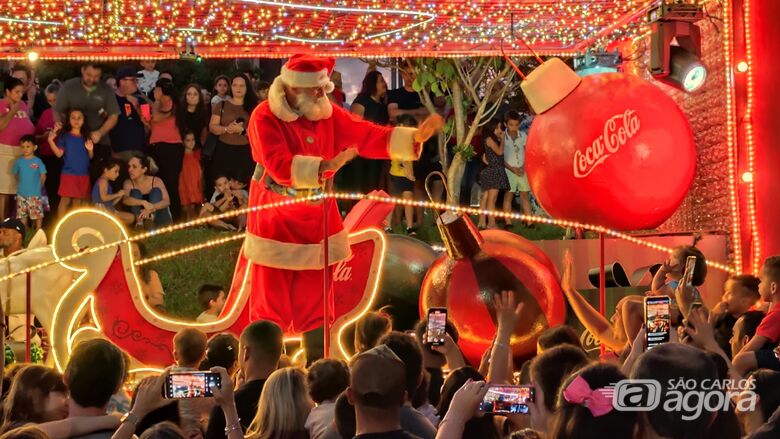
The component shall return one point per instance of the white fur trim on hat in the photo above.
(294, 78)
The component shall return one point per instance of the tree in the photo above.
(474, 88)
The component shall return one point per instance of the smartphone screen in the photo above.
(146, 112)
(507, 399)
(191, 384)
(690, 265)
(658, 320)
(437, 324)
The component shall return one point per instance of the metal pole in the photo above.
(28, 341)
(326, 278)
(602, 283)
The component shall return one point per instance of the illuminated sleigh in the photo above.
(106, 288)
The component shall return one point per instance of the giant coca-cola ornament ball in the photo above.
(610, 149)
(475, 268)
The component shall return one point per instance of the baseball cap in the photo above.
(127, 72)
(13, 223)
(378, 378)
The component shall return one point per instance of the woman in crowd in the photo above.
(221, 89)
(165, 143)
(194, 113)
(146, 195)
(53, 163)
(282, 418)
(493, 177)
(371, 103)
(14, 124)
(37, 395)
(233, 155)
(361, 174)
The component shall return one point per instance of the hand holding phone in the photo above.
(437, 325)
(146, 112)
(507, 399)
(658, 320)
(198, 384)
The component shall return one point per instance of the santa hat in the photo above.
(308, 71)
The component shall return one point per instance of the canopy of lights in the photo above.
(114, 29)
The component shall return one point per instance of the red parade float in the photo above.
(608, 151)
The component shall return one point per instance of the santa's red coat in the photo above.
(283, 249)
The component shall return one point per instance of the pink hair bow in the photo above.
(598, 401)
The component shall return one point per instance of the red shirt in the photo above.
(770, 325)
(45, 123)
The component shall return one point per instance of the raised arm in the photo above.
(598, 325)
(507, 313)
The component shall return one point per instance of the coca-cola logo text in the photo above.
(343, 271)
(617, 131)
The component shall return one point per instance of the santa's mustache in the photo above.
(312, 108)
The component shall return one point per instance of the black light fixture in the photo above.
(678, 65)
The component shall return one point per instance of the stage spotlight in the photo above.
(32, 56)
(747, 177)
(675, 40)
(742, 67)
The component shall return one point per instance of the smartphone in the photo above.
(437, 324)
(690, 265)
(146, 112)
(191, 384)
(507, 399)
(658, 320)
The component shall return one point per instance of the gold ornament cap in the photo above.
(549, 84)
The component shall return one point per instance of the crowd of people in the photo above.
(398, 385)
(132, 143)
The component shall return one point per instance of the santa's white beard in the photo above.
(313, 108)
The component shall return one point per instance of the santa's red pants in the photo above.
(290, 298)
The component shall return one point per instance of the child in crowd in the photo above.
(493, 178)
(212, 300)
(402, 183)
(753, 355)
(70, 141)
(30, 175)
(228, 195)
(103, 195)
(327, 379)
(149, 77)
(514, 162)
(190, 179)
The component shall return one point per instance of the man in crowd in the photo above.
(259, 350)
(377, 389)
(11, 236)
(404, 100)
(98, 102)
(744, 330)
(405, 347)
(95, 371)
(129, 135)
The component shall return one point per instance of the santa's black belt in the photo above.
(287, 191)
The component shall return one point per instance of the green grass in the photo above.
(181, 276)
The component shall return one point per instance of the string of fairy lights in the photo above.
(356, 27)
(337, 196)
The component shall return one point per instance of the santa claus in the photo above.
(299, 140)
